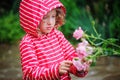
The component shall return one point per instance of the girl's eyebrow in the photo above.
(54, 14)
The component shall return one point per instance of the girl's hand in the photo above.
(64, 67)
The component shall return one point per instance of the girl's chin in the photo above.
(47, 32)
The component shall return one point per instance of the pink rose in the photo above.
(89, 50)
(84, 49)
(78, 33)
(81, 50)
(85, 66)
(85, 42)
(77, 63)
(80, 65)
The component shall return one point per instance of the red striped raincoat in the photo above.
(41, 55)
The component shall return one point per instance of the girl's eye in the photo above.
(53, 16)
(45, 17)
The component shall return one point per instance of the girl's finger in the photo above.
(68, 62)
(65, 68)
(63, 71)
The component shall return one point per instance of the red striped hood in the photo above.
(32, 12)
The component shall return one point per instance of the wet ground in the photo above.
(9, 62)
(107, 68)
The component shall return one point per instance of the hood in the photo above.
(32, 11)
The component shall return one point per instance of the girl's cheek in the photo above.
(43, 21)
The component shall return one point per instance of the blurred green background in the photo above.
(105, 13)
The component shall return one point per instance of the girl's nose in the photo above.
(49, 22)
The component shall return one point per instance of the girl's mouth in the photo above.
(49, 28)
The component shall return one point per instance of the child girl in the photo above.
(45, 52)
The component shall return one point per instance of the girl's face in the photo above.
(48, 22)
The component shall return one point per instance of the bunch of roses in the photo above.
(84, 49)
(90, 50)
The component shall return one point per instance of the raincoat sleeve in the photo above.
(74, 71)
(69, 54)
(30, 65)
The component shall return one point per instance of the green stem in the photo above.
(102, 41)
(93, 26)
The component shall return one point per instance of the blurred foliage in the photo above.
(7, 5)
(75, 17)
(107, 16)
(115, 29)
(9, 22)
(10, 28)
(105, 13)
